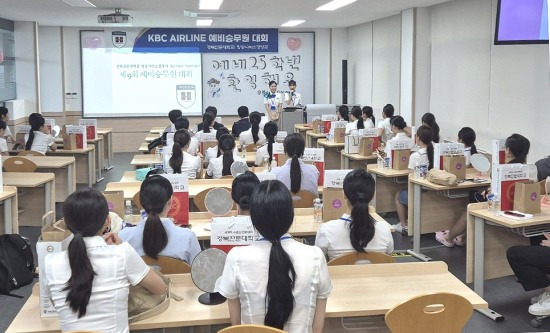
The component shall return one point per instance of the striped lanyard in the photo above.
(347, 220)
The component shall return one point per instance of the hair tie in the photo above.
(275, 242)
(361, 197)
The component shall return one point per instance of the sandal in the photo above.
(439, 236)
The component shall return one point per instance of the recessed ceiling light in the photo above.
(292, 23)
(210, 4)
(204, 23)
(79, 3)
(335, 4)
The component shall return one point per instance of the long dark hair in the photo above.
(519, 146)
(255, 120)
(270, 130)
(272, 215)
(207, 119)
(36, 122)
(84, 212)
(294, 147)
(398, 122)
(221, 131)
(242, 188)
(154, 193)
(369, 112)
(344, 112)
(468, 137)
(359, 189)
(227, 145)
(429, 119)
(425, 134)
(181, 139)
(357, 113)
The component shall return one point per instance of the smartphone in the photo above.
(508, 212)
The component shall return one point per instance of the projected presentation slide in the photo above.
(120, 83)
(522, 21)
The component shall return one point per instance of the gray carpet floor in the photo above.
(504, 295)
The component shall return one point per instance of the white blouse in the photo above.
(116, 267)
(215, 167)
(387, 134)
(41, 142)
(245, 138)
(262, 153)
(334, 240)
(245, 277)
(190, 166)
(419, 158)
(310, 176)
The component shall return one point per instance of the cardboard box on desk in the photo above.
(334, 202)
(318, 126)
(327, 120)
(316, 156)
(366, 146)
(504, 179)
(20, 132)
(337, 132)
(207, 140)
(527, 197)
(91, 128)
(351, 144)
(371, 133)
(400, 159)
(115, 201)
(455, 165)
(75, 137)
(179, 211)
(446, 149)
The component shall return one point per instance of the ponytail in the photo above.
(242, 188)
(80, 283)
(227, 144)
(181, 140)
(359, 188)
(207, 119)
(280, 300)
(430, 150)
(155, 237)
(425, 134)
(294, 146)
(270, 131)
(429, 119)
(357, 114)
(36, 122)
(30, 140)
(255, 120)
(295, 175)
(227, 161)
(468, 136)
(473, 149)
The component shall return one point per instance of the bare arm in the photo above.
(235, 311)
(379, 132)
(153, 283)
(408, 131)
(319, 317)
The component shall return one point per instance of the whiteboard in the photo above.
(232, 80)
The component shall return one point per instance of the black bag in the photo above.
(16, 263)
(157, 142)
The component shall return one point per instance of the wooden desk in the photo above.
(302, 129)
(151, 137)
(63, 167)
(443, 206)
(84, 163)
(9, 221)
(388, 183)
(143, 160)
(332, 153)
(99, 154)
(488, 238)
(107, 134)
(354, 161)
(38, 195)
(144, 148)
(384, 283)
(157, 130)
(311, 138)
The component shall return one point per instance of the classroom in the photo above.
(422, 119)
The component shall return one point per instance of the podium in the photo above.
(291, 116)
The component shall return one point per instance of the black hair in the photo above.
(519, 146)
(2, 124)
(398, 122)
(425, 134)
(242, 111)
(291, 83)
(85, 212)
(357, 113)
(3, 111)
(388, 110)
(207, 119)
(174, 115)
(242, 188)
(227, 144)
(221, 131)
(154, 193)
(369, 112)
(272, 82)
(255, 120)
(359, 189)
(429, 119)
(294, 147)
(344, 112)
(468, 137)
(272, 214)
(36, 122)
(182, 123)
(212, 109)
(181, 139)
(270, 130)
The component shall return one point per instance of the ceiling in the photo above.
(169, 13)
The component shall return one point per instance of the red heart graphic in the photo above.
(294, 43)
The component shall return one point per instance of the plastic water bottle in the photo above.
(318, 210)
(157, 155)
(128, 212)
(380, 163)
(267, 166)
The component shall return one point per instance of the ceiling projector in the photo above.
(115, 18)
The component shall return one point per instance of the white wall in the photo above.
(360, 64)
(51, 71)
(26, 68)
(339, 52)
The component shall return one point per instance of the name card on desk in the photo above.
(446, 149)
(279, 154)
(316, 156)
(335, 178)
(49, 123)
(179, 211)
(498, 150)
(399, 152)
(75, 137)
(504, 178)
(232, 231)
(327, 120)
(281, 135)
(20, 131)
(91, 128)
(265, 176)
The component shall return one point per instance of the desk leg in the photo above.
(416, 224)
(49, 197)
(99, 161)
(71, 182)
(90, 168)
(10, 226)
(373, 201)
(109, 147)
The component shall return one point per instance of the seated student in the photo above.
(90, 281)
(221, 166)
(213, 152)
(182, 123)
(467, 136)
(428, 119)
(207, 118)
(543, 168)
(242, 124)
(517, 148)
(398, 129)
(384, 127)
(3, 142)
(357, 122)
(181, 161)
(368, 117)
(359, 232)
(343, 113)
(157, 235)
(270, 130)
(253, 136)
(173, 115)
(295, 174)
(424, 155)
(241, 191)
(215, 124)
(39, 138)
(276, 281)
(5, 117)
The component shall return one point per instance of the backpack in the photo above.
(16, 263)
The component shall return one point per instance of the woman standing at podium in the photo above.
(292, 98)
(273, 102)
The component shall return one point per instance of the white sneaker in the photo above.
(542, 307)
(399, 227)
(537, 298)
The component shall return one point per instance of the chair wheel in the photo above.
(536, 322)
